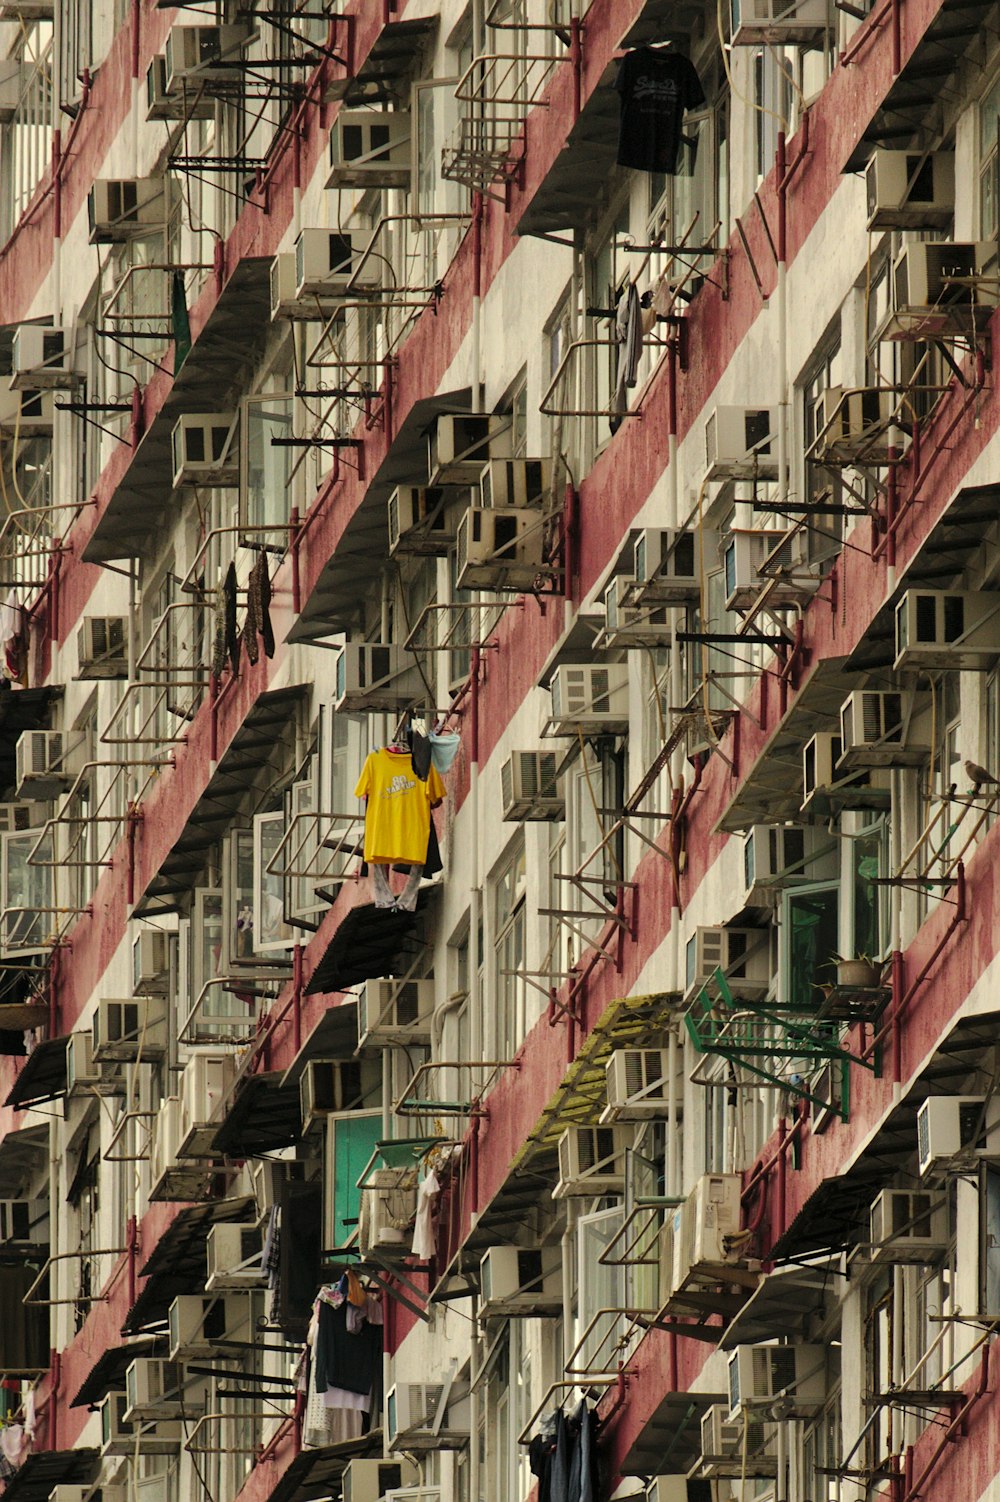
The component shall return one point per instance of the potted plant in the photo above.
(859, 973)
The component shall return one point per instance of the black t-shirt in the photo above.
(656, 87)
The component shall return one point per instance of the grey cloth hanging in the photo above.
(628, 332)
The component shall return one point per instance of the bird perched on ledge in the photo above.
(979, 777)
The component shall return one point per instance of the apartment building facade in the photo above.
(393, 398)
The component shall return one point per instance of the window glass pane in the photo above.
(812, 920)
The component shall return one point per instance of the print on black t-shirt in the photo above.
(656, 87)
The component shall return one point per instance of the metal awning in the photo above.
(178, 1261)
(317, 1474)
(264, 1116)
(243, 773)
(359, 557)
(772, 790)
(394, 57)
(781, 1304)
(108, 1372)
(369, 943)
(225, 351)
(915, 112)
(335, 1036)
(49, 1468)
(43, 1076)
(20, 1151)
(569, 194)
(670, 1439)
(836, 1215)
(18, 1016)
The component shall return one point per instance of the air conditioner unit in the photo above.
(910, 189)
(326, 262)
(206, 1080)
(375, 676)
(40, 359)
(164, 1141)
(197, 55)
(387, 1207)
(177, 103)
(769, 851)
(743, 553)
(589, 699)
(825, 786)
(627, 625)
(83, 1074)
(13, 79)
(155, 1488)
(233, 1253)
(64, 1492)
(758, 23)
(948, 1125)
(285, 302)
(28, 413)
(153, 1390)
(668, 563)
(875, 731)
(698, 1237)
(411, 1414)
(935, 283)
(122, 207)
(461, 444)
(530, 790)
(857, 423)
(592, 1161)
(741, 443)
(908, 1226)
(102, 647)
(940, 628)
(204, 449)
(515, 482)
(196, 1324)
(118, 1437)
(370, 1480)
(742, 954)
(743, 1447)
(422, 521)
(395, 1011)
(414, 1494)
(151, 959)
(327, 1085)
(500, 549)
(39, 771)
(15, 817)
(22, 1220)
(370, 149)
(760, 1374)
(133, 1030)
(521, 1281)
(668, 1489)
(266, 1177)
(638, 1084)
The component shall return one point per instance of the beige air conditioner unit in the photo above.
(17, 816)
(853, 423)
(151, 959)
(177, 103)
(39, 770)
(40, 358)
(102, 647)
(373, 676)
(742, 954)
(826, 786)
(328, 1085)
(736, 1447)
(875, 731)
(369, 1480)
(461, 444)
(23, 1221)
(327, 261)
(83, 1074)
(759, 1375)
(521, 1282)
(26, 413)
(589, 700)
(592, 1161)
(197, 55)
(908, 1226)
(701, 1236)
(370, 149)
(910, 189)
(413, 1421)
(776, 23)
(500, 550)
(395, 1011)
(936, 286)
(949, 1125)
(129, 1031)
(196, 1323)
(630, 626)
(741, 443)
(530, 790)
(281, 284)
(769, 851)
(120, 208)
(233, 1253)
(154, 1391)
(515, 482)
(668, 563)
(743, 553)
(948, 630)
(204, 449)
(637, 1081)
(422, 521)
(206, 1080)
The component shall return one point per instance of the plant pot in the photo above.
(859, 974)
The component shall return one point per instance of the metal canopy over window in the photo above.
(381, 78)
(265, 1116)
(47, 1469)
(108, 1372)
(177, 1264)
(317, 1474)
(222, 356)
(20, 1154)
(335, 1036)
(670, 1439)
(371, 942)
(43, 1076)
(781, 1304)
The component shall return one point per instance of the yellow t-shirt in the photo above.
(398, 818)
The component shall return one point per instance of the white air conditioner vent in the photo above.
(909, 1226)
(423, 521)
(948, 630)
(373, 676)
(875, 731)
(910, 189)
(370, 149)
(778, 23)
(530, 789)
(589, 700)
(120, 208)
(396, 1011)
(592, 1160)
(204, 449)
(102, 646)
(500, 549)
(948, 1125)
(742, 442)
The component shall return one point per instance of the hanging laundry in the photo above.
(258, 621)
(423, 1228)
(628, 333)
(13, 641)
(227, 642)
(397, 821)
(655, 87)
(444, 749)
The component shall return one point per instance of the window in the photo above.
(989, 161)
(810, 933)
(271, 931)
(265, 487)
(869, 861)
(773, 99)
(821, 483)
(509, 924)
(600, 1286)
